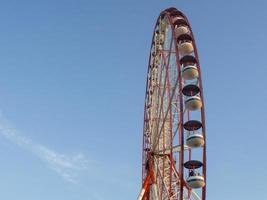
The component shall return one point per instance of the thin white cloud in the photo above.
(67, 166)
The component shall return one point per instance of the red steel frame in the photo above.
(148, 175)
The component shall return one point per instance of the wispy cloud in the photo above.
(67, 166)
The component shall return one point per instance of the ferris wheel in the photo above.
(174, 140)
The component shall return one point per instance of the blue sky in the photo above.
(72, 83)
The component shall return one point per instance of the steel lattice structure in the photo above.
(174, 139)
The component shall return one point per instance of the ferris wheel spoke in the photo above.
(160, 96)
(166, 63)
(166, 114)
(168, 104)
(175, 149)
(162, 178)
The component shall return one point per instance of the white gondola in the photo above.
(193, 103)
(186, 47)
(180, 30)
(190, 72)
(195, 140)
(196, 181)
